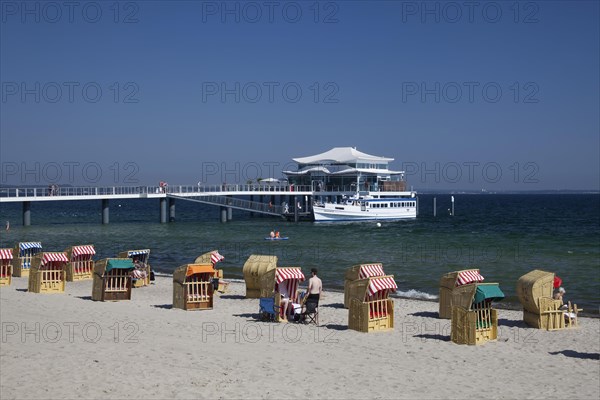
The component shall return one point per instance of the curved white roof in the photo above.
(341, 155)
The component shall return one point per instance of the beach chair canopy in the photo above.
(24, 246)
(131, 253)
(369, 270)
(282, 274)
(205, 258)
(51, 257)
(6, 254)
(83, 250)
(468, 276)
(379, 283)
(215, 257)
(118, 263)
(467, 295)
(488, 292)
(363, 271)
(193, 269)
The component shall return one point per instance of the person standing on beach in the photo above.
(315, 286)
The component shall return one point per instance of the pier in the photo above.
(278, 200)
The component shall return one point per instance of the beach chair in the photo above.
(360, 271)
(271, 283)
(81, 264)
(193, 287)
(449, 282)
(371, 309)
(23, 254)
(6, 256)
(540, 310)
(474, 321)
(144, 256)
(254, 268)
(310, 314)
(266, 309)
(48, 273)
(112, 279)
(214, 257)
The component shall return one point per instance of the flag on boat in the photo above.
(216, 257)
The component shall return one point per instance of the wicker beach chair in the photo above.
(193, 287)
(213, 257)
(449, 282)
(540, 310)
(48, 273)
(112, 279)
(254, 268)
(144, 257)
(371, 309)
(273, 279)
(6, 256)
(474, 321)
(23, 253)
(81, 264)
(360, 271)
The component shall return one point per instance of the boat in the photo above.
(277, 238)
(368, 206)
(349, 185)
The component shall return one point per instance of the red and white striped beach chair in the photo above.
(449, 282)
(371, 309)
(360, 271)
(48, 272)
(6, 257)
(81, 264)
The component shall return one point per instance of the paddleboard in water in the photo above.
(277, 238)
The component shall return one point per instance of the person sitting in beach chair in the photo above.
(286, 304)
(139, 271)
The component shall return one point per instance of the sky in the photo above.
(494, 95)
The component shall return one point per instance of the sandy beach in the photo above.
(68, 346)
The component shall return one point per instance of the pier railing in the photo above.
(51, 191)
(54, 191)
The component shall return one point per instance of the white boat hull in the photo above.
(349, 212)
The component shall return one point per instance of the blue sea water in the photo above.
(503, 235)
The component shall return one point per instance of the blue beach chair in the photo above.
(266, 309)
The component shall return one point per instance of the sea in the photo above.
(503, 235)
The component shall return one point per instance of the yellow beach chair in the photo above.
(540, 310)
(193, 287)
(371, 309)
(6, 256)
(81, 264)
(48, 273)
(474, 321)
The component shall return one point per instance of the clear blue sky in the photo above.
(497, 95)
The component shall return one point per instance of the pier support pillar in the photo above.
(163, 210)
(26, 213)
(229, 211)
(434, 206)
(296, 209)
(171, 209)
(105, 211)
(223, 214)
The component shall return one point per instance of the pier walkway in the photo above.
(269, 199)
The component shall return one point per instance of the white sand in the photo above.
(67, 346)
